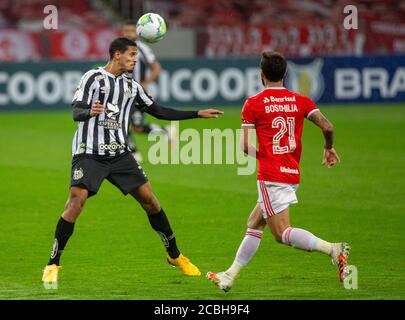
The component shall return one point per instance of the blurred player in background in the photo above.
(146, 71)
(277, 115)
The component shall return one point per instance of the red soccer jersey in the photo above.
(278, 116)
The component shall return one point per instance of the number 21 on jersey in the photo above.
(284, 126)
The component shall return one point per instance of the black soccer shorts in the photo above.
(89, 171)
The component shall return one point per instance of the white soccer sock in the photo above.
(304, 240)
(246, 251)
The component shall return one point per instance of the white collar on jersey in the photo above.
(124, 74)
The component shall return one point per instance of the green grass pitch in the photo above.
(114, 253)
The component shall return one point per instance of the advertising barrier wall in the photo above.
(216, 82)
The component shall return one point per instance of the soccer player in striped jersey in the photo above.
(145, 72)
(277, 114)
(103, 105)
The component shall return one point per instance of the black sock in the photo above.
(64, 230)
(160, 224)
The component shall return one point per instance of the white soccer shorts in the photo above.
(274, 197)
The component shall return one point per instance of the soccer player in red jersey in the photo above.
(277, 114)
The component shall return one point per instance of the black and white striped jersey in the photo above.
(145, 58)
(105, 134)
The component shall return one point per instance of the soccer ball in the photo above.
(151, 27)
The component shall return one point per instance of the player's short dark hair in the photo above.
(121, 45)
(273, 65)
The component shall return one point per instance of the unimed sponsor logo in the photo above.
(288, 170)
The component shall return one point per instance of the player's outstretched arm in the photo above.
(165, 113)
(330, 156)
(209, 113)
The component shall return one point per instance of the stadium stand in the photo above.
(221, 27)
(28, 14)
(193, 13)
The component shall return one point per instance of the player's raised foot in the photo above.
(50, 275)
(222, 280)
(185, 265)
(340, 253)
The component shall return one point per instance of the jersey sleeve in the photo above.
(309, 107)
(248, 117)
(165, 113)
(142, 99)
(84, 91)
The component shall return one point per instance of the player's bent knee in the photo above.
(147, 200)
(151, 205)
(155, 207)
(72, 211)
(74, 205)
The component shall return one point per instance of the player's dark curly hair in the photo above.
(273, 65)
(121, 45)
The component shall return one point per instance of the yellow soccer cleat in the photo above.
(50, 275)
(185, 265)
